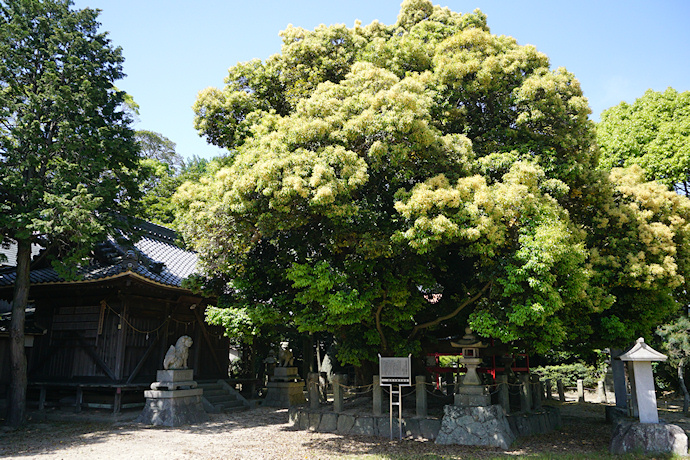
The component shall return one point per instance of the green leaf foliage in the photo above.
(654, 133)
(676, 340)
(391, 184)
(67, 153)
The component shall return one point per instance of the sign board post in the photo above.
(395, 372)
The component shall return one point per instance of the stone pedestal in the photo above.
(472, 396)
(475, 426)
(174, 400)
(285, 388)
(649, 438)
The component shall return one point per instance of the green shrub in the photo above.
(570, 374)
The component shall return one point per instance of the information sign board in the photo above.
(395, 370)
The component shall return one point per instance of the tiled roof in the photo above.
(154, 256)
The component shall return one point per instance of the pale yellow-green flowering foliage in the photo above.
(471, 211)
(373, 166)
(649, 252)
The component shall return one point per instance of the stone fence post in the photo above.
(503, 392)
(337, 393)
(580, 390)
(561, 390)
(549, 396)
(377, 396)
(536, 392)
(420, 389)
(313, 390)
(601, 391)
(525, 393)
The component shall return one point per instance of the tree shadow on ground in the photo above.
(61, 430)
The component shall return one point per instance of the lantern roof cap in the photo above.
(469, 340)
(642, 352)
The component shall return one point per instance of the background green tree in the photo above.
(156, 146)
(676, 343)
(654, 133)
(67, 153)
(401, 181)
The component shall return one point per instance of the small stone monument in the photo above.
(285, 388)
(174, 399)
(471, 393)
(647, 435)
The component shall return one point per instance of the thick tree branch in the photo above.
(384, 342)
(440, 319)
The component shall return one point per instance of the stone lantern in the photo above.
(639, 361)
(472, 393)
(647, 435)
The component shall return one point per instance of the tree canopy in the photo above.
(67, 153)
(392, 183)
(654, 133)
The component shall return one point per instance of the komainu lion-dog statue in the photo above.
(176, 357)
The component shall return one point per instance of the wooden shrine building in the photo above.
(102, 338)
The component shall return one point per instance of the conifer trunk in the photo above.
(17, 398)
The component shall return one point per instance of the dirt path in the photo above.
(264, 433)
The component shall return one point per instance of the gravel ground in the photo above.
(264, 433)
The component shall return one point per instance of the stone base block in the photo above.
(284, 394)
(472, 400)
(475, 426)
(173, 394)
(649, 438)
(173, 408)
(285, 373)
(183, 384)
(174, 375)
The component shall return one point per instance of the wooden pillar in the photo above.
(209, 343)
(42, 398)
(121, 343)
(420, 389)
(78, 399)
(117, 401)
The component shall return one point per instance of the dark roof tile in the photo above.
(155, 257)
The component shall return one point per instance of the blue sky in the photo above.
(174, 49)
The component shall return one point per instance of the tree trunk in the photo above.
(17, 402)
(681, 379)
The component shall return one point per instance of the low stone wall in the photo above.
(544, 421)
(327, 421)
(302, 418)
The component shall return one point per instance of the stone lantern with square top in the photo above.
(639, 361)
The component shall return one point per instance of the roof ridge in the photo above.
(156, 231)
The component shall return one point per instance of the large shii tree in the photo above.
(393, 183)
